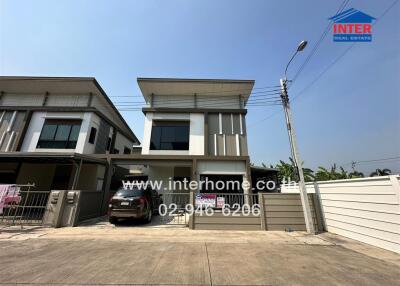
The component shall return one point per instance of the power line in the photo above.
(125, 108)
(324, 71)
(253, 94)
(214, 99)
(328, 27)
(275, 98)
(373, 160)
(318, 43)
(271, 89)
(264, 119)
(343, 54)
(199, 104)
(261, 104)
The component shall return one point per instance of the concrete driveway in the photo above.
(105, 255)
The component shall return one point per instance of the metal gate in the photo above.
(173, 210)
(22, 205)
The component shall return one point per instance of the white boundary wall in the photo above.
(366, 209)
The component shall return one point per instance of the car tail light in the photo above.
(142, 200)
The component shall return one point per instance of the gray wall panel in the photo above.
(213, 123)
(226, 123)
(236, 123)
(231, 145)
(102, 139)
(243, 145)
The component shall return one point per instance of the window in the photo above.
(170, 135)
(59, 134)
(108, 144)
(92, 136)
(127, 150)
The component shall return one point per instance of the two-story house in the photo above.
(65, 134)
(196, 129)
(50, 129)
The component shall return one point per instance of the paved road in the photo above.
(105, 255)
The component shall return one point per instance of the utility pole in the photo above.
(296, 157)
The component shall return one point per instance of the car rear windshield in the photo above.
(129, 193)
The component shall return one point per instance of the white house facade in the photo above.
(199, 125)
(51, 130)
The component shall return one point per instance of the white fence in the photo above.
(366, 209)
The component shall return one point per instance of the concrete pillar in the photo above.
(192, 216)
(76, 173)
(55, 208)
(263, 217)
(62, 208)
(317, 203)
(247, 187)
(106, 185)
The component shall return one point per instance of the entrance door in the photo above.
(180, 174)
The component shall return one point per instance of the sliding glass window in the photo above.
(59, 134)
(170, 135)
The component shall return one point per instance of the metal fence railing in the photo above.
(22, 205)
(173, 210)
(177, 207)
(227, 200)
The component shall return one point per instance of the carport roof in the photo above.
(50, 156)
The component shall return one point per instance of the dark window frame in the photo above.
(108, 144)
(164, 135)
(92, 135)
(73, 126)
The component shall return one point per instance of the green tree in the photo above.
(354, 173)
(288, 170)
(324, 174)
(381, 172)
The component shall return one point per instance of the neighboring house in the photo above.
(51, 129)
(196, 129)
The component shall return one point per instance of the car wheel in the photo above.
(113, 220)
(149, 216)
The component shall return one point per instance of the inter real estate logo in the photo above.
(352, 26)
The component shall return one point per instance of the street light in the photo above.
(293, 145)
(300, 48)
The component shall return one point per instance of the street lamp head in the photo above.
(301, 46)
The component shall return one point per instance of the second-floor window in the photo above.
(170, 135)
(59, 134)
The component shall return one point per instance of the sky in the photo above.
(345, 109)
